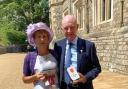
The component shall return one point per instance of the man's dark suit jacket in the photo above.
(87, 61)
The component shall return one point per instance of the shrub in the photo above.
(9, 37)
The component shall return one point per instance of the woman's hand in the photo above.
(40, 76)
(34, 78)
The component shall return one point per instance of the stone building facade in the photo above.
(104, 22)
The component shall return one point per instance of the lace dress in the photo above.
(46, 64)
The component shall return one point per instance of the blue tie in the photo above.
(67, 64)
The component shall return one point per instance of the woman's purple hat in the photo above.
(32, 28)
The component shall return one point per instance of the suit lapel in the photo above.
(63, 50)
(63, 46)
(80, 50)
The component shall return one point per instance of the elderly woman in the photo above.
(40, 66)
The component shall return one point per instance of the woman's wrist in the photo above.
(34, 78)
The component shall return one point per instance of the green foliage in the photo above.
(15, 15)
(3, 38)
(23, 12)
(16, 37)
(8, 37)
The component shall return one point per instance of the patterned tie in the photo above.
(67, 64)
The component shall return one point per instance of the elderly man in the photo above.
(78, 53)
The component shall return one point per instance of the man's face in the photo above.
(69, 28)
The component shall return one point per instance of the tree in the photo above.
(17, 14)
(22, 12)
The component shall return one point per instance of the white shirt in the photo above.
(73, 52)
(48, 65)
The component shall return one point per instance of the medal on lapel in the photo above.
(81, 50)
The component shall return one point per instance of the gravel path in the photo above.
(11, 75)
(11, 71)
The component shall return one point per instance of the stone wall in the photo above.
(112, 50)
(56, 16)
(111, 37)
(14, 48)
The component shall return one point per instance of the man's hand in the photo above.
(82, 79)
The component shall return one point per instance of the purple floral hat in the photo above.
(32, 28)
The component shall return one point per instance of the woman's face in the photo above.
(41, 38)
